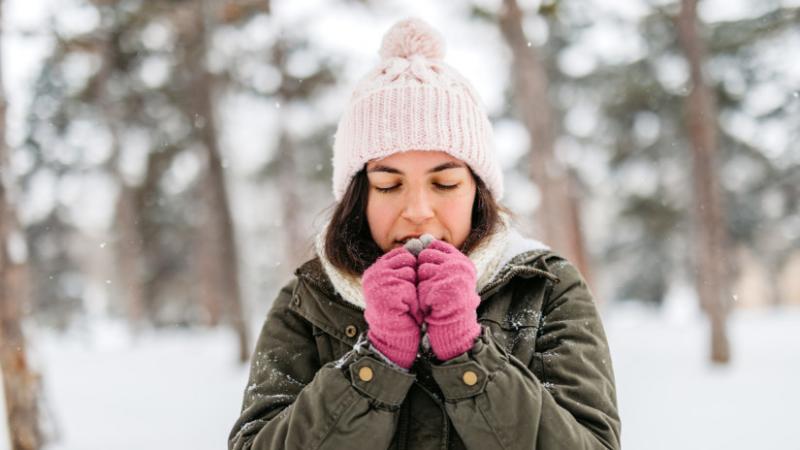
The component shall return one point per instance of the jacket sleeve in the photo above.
(290, 402)
(507, 407)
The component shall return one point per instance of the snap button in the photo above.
(365, 373)
(351, 331)
(470, 378)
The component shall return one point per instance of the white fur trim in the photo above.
(489, 258)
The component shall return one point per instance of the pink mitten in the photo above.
(448, 298)
(392, 310)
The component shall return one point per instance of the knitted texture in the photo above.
(415, 245)
(447, 297)
(413, 100)
(487, 258)
(392, 311)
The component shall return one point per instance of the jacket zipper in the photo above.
(402, 427)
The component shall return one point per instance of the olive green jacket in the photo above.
(538, 377)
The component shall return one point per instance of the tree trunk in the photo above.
(210, 279)
(558, 214)
(709, 235)
(143, 232)
(294, 237)
(222, 239)
(20, 383)
(128, 241)
(129, 255)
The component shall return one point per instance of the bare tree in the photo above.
(286, 160)
(558, 214)
(294, 250)
(129, 247)
(129, 250)
(222, 265)
(20, 383)
(701, 122)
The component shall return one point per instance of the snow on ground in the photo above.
(182, 389)
(165, 390)
(671, 397)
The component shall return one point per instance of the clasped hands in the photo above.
(402, 291)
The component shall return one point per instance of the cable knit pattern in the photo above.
(392, 312)
(414, 101)
(448, 299)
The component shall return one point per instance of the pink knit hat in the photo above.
(414, 101)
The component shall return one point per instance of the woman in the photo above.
(426, 321)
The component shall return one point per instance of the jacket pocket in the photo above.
(519, 342)
(329, 348)
(514, 317)
(324, 347)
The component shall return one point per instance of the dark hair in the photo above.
(348, 242)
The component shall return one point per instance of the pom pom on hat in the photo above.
(412, 37)
(413, 100)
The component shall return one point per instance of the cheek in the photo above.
(380, 216)
(457, 215)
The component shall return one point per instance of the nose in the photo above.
(418, 208)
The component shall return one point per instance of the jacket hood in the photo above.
(489, 258)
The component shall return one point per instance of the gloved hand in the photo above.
(392, 310)
(446, 288)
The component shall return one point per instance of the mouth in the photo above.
(407, 238)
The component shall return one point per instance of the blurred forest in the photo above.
(169, 161)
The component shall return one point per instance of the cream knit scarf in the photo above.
(489, 257)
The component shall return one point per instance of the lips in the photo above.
(412, 236)
(407, 238)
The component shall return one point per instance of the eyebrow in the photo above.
(439, 168)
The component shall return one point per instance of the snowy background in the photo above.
(181, 386)
(183, 389)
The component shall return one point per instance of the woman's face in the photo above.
(416, 192)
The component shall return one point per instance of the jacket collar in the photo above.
(505, 254)
(316, 299)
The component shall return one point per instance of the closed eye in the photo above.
(389, 189)
(445, 187)
(442, 187)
